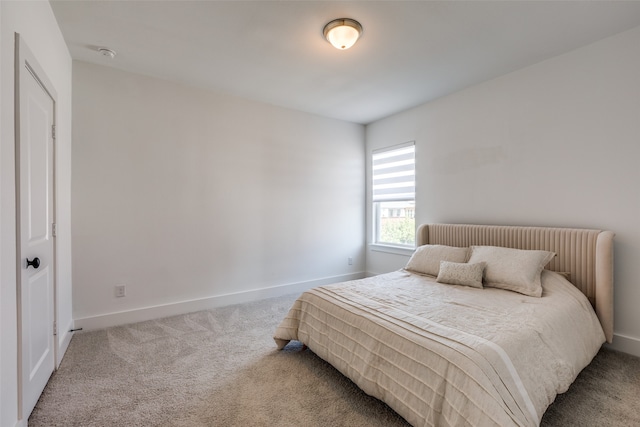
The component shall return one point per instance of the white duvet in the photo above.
(443, 355)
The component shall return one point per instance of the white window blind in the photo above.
(394, 173)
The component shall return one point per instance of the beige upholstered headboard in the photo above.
(586, 254)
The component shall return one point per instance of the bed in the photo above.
(448, 353)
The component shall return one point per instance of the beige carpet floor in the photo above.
(221, 368)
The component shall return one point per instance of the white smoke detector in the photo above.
(107, 52)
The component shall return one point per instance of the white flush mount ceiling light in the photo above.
(107, 52)
(342, 33)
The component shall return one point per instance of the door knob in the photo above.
(35, 263)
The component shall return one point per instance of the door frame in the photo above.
(26, 62)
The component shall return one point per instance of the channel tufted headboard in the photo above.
(586, 254)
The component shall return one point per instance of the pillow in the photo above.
(457, 273)
(515, 270)
(565, 274)
(426, 259)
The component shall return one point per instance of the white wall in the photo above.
(38, 27)
(193, 199)
(554, 144)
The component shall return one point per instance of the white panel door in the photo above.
(35, 194)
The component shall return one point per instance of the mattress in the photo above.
(442, 354)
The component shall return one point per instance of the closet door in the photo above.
(35, 117)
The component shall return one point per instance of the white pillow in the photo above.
(426, 259)
(516, 270)
(457, 273)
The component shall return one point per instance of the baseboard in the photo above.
(173, 309)
(625, 344)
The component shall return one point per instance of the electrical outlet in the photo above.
(350, 261)
(120, 291)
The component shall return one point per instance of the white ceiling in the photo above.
(273, 51)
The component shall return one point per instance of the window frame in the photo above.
(378, 200)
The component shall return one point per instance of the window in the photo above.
(394, 198)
